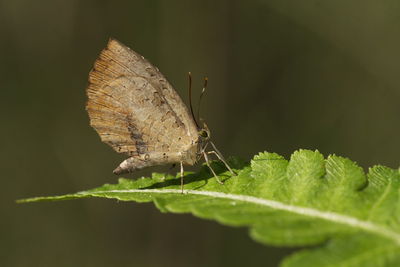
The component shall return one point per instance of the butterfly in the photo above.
(137, 112)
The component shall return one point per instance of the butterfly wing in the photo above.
(136, 111)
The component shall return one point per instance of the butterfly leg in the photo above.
(221, 158)
(209, 166)
(182, 177)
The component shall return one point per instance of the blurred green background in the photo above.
(283, 75)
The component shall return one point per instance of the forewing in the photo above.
(133, 107)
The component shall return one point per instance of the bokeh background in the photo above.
(283, 75)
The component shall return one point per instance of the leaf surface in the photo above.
(342, 216)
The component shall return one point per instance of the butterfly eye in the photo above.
(203, 133)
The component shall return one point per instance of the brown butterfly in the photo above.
(137, 112)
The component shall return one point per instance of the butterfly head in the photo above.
(204, 133)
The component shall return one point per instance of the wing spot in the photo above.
(146, 157)
(163, 84)
(151, 71)
(142, 101)
(166, 116)
(157, 99)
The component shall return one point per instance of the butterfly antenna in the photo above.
(190, 98)
(201, 96)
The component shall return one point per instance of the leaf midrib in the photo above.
(305, 211)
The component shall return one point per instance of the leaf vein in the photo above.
(325, 215)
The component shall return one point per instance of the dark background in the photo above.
(283, 75)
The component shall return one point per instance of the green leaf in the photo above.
(343, 216)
